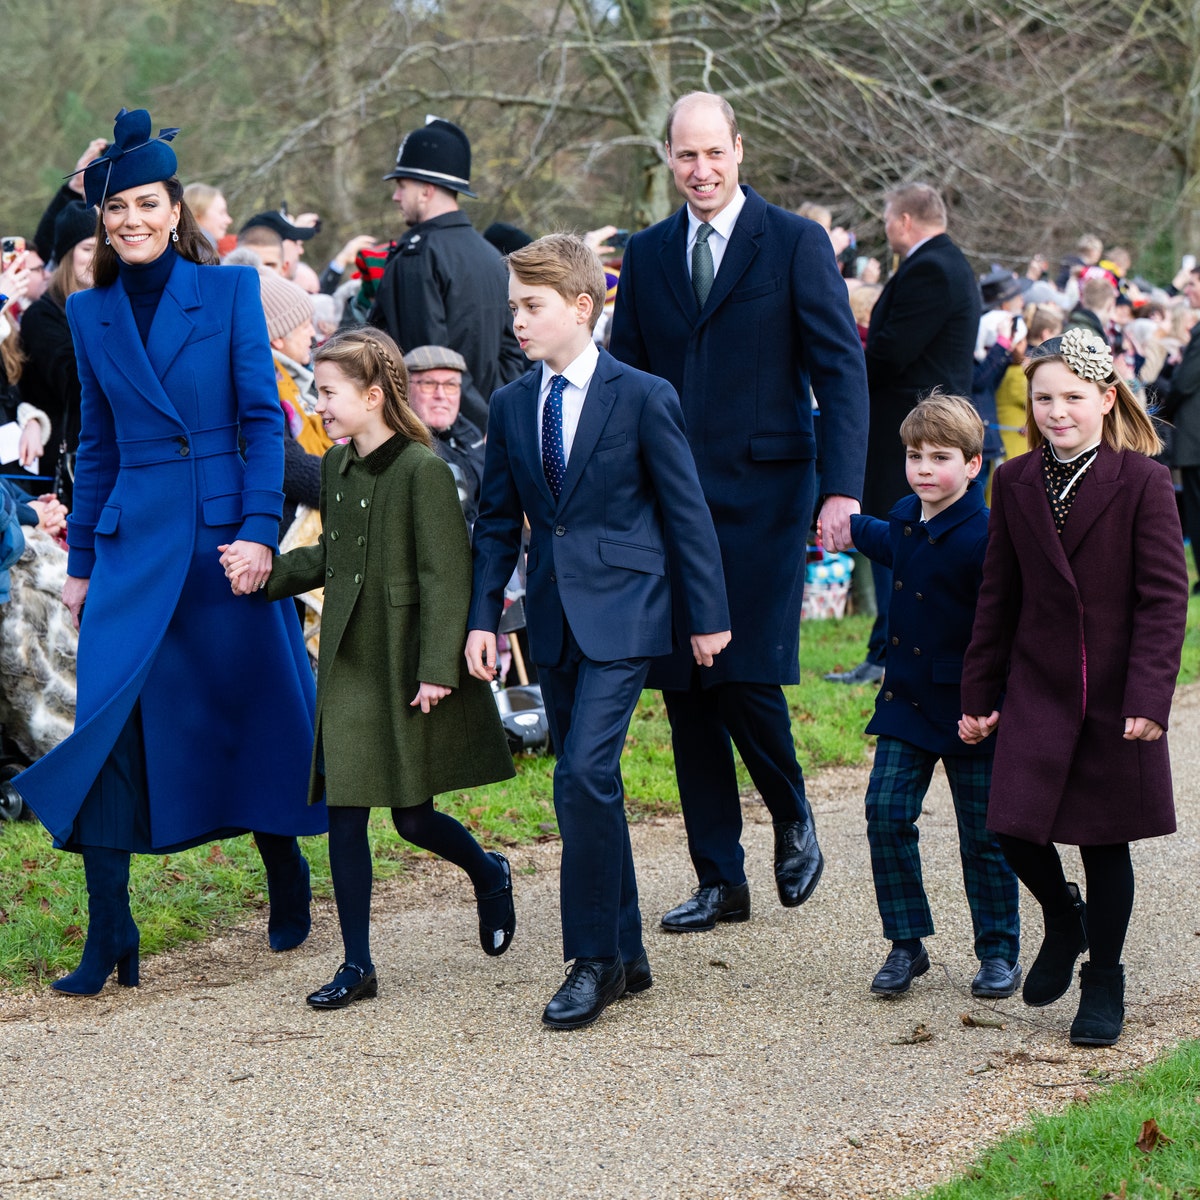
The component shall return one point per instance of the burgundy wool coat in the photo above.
(1071, 636)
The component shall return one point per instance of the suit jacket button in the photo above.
(898, 585)
(908, 531)
(919, 596)
(933, 541)
(887, 695)
(917, 651)
(333, 535)
(895, 641)
(553, 578)
(559, 530)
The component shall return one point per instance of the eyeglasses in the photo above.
(427, 387)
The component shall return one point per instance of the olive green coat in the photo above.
(395, 563)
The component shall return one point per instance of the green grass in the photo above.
(1090, 1150)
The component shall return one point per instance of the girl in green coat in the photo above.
(398, 718)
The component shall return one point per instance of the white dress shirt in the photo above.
(722, 230)
(578, 376)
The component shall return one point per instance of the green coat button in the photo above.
(363, 502)
(338, 496)
(329, 572)
(362, 541)
(333, 535)
(358, 579)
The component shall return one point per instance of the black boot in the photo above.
(112, 937)
(287, 890)
(1054, 968)
(1101, 1014)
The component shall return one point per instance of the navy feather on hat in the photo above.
(132, 158)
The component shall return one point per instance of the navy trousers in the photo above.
(588, 706)
(706, 723)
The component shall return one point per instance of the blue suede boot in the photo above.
(287, 890)
(112, 936)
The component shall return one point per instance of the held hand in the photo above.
(706, 646)
(247, 565)
(52, 514)
(96, 147)
(835, 521)
(74, 593)
(973, 730)
(31, 446)
(481, 654)
(1142, 729)
(428, 694)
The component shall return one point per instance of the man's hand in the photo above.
(481, 654)
(835, 521)
(706, 646)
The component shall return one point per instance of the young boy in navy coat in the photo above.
(934, 543)
(593, 453)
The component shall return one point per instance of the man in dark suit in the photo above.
(593, 454)
(740, 306)
(922, 336)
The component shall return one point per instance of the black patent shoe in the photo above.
(798, 860)
(900, 968)
(707, 906)
(591, 985)
(351, 983)
(996, 979)
(637, 975)
(495, 939)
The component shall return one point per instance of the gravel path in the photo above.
(757, 1066)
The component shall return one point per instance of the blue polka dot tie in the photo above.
(554, 461)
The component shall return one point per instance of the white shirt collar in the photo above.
(723, 222)
(579, 371)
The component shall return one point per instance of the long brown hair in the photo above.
(371, 359)
(1127, 426)
(11, 353)
(192, 244)
(65, 281)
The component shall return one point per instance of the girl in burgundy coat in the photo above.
(1076, 645)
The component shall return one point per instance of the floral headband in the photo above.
(1087, 354)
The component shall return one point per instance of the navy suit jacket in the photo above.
(775, 329)
(938, 570)
(598, 556)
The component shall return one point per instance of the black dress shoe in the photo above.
(996, 979)
(899, 970)
(591, 985)
(351, 983)
(637, 975)
(865, 672)
(798, 860)
(495, 939)
(708, 905)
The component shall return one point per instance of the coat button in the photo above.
(333, 535)
(895, 641)
(184, 448)
(363, 502)
(919, 596)
(358, 579)
(329, 572)
(908, 531)
(559, 530)
(338, 497)
(933, 541)
(553, 578)
(362, 541)
(898, 586)
(917, 651)
(887, 695)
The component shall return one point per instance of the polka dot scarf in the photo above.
(1063, 480)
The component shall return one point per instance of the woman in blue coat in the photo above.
(194, 711)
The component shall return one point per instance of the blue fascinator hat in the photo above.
(132, 158)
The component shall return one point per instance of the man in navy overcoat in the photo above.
(740, 306)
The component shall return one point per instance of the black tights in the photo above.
(1108, 872)
(350, 863)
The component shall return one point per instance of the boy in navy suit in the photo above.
(593, 453)
(934, 543)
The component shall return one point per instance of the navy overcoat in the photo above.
(225, 688)
(1083, 631)
(775, 328)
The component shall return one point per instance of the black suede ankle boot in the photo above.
(1054, 968)
(1101, 1015)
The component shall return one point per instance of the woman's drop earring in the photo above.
(106, 241)
(174, 234)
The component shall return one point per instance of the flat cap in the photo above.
(434, 358)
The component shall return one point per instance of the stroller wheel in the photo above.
(12, 807)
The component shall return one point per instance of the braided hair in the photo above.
(371, 359)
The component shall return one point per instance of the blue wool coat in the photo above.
(775, 329)
(937, 569)
(225, 688)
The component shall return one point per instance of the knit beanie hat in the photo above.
(286, 305)
(74, 224)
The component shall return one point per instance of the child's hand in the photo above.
(706, 646)
(52, 514)
(428, 694)
(1142, 729)
(481, 654)
(973, 730)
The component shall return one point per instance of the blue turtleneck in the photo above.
(144, 283)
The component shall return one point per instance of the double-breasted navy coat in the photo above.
(224, 684)
(775, 328)
(1072, 635)
(937, 568)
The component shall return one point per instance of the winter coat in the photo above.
(1083, 630)
(396, 568)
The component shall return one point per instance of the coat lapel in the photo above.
(172, 326)
(597, 404)
(529, 442)
(673, 252)
(1097, 490)
(123, 345)
(739, 254)
(1029, 499)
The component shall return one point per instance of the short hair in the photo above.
(921, 201)
(944, 421)
(199, 196)
(260, 235)
(723, 106)
(1043, 321)
(862, 301)
(1089, 243)
(564, 262)
(816, 212)
(1096, 293)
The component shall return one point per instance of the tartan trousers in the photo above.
(899, 780)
